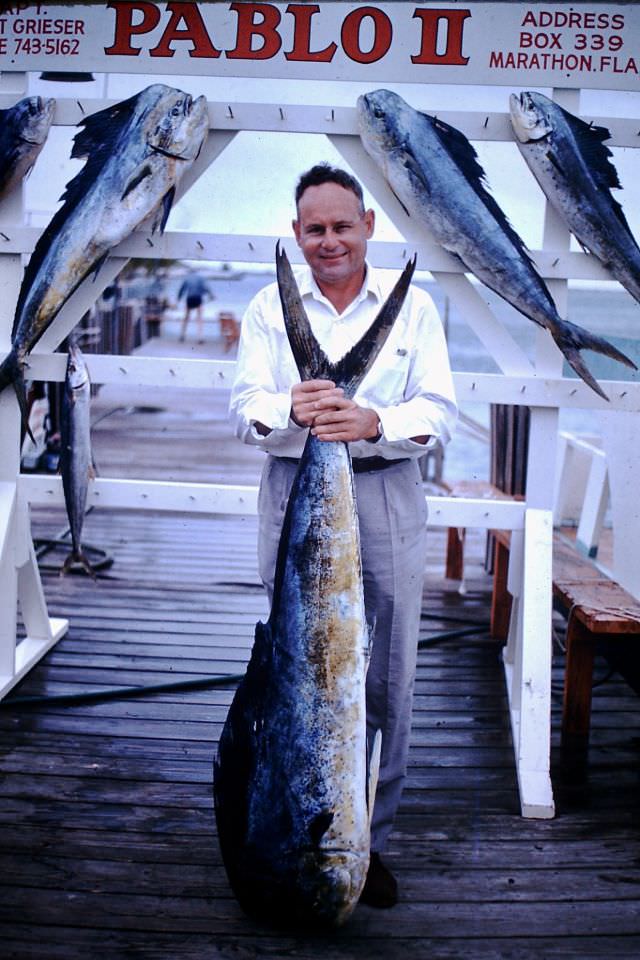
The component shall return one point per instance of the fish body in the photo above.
(433, 170)
(136, 152)
(76, 461)
(293, 787)
(23, 131)
(571, 163)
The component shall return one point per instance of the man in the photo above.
(193, 288)
(404, 403)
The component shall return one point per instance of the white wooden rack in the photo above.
(535, 381)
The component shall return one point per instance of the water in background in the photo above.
(606, 310)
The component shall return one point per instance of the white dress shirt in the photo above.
(409, 385)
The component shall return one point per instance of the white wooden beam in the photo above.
(213, 498)
(317, 118)
(259, 248)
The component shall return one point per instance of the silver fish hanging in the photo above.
(573, 166)
(136, 152)
(433, 171)
(24, 129)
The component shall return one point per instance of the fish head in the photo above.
(32, 118)
(530, 117)
(77, 373)
(330, 883)
(176, 124)
(384, 121)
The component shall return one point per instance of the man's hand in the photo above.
(346, 421)
(312, 397)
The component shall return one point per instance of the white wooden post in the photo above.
(527, 663)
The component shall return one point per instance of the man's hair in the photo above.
(325, 173)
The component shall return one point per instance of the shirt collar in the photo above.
(371, 285)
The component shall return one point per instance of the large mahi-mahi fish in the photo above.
(136, 153)
(293, 788)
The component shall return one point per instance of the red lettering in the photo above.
(302, 35)
(266, 29)
(194, 30)
(125, 27)
(530, 17)
(382, 35)
(454, 19)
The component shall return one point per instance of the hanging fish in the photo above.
(23, 131)
(433, 171)
(76, 460)
(569, 160)
(136, 152)
(292, 794)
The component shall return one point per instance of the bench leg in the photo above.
(500, 596)
(578, 682)
(455, 553)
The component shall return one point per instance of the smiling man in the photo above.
(404, 403)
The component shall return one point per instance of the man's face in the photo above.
(332, 233)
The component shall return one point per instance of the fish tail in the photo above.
(571, 339)
(77, 556)
(11, 373)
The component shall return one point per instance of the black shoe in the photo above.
(381, 888)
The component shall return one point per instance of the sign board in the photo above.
(520, 44)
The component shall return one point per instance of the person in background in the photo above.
(404, 403)
(193, 289)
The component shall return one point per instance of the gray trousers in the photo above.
(392, 515)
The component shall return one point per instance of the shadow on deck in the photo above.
(108, 835)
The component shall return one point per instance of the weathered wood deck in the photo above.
(108, 837)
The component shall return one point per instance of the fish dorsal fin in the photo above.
(374, 772)
(350, 371)
(589, 141)
(101, 130)
(466, 159)
(311, 360)
(97, 142)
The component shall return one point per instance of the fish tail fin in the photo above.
(374, 772)
(11, 373)
(307, 352)
(571, 339)
(77, 556)
(350, 371)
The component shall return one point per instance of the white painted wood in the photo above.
(259, 248)
(527, 665)
(546, 391)
(8, 577)
(236, 499)
(472, 387)
(622, 449)
(533, 746)
(315, 118)
(140, 371)
(594, 507)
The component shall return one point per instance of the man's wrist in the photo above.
(378, 434)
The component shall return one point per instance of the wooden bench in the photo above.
(598, 610)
